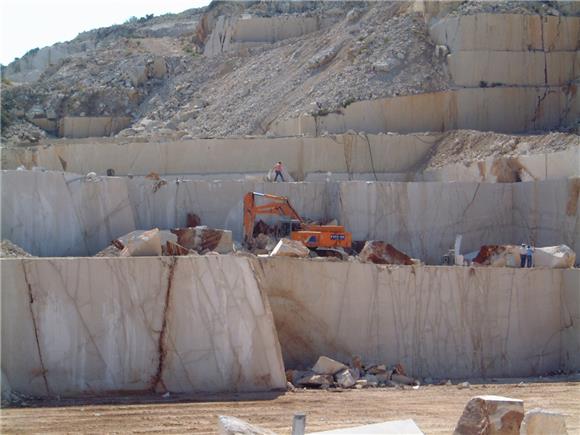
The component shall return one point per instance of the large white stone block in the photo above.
(540, 421)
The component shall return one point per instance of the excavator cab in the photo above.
(313, 236)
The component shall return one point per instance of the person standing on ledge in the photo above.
(530, 254)
(523, 255)
(278, 170)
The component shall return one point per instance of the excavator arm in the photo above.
(278, 205)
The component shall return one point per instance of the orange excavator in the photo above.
(313, 236)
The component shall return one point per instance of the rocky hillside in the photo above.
(232, 68)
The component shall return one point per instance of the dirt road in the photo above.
(434, 408)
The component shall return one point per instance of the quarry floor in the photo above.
(435, 409)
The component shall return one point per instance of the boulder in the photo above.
(539, 421)
(327, 366)
(497, 256)
(491, 415)
(402, 379)
(344, 379)
(555, 257)
(203, 239)
(372, 380)
(375, 251)
(290, 248)
(235, 426)
(311, 379)
(142, 244)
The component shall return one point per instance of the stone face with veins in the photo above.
(51, 214)
(88, 325)
(470, 322)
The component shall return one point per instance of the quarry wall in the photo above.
(510, 49)
(557, 164)
(191, 324)
(236, 34)
(507, 32)
(77, 326)
(83, 126)
(384, 157)
(348, 153)
(500, 109)
(436, 321)
(524, 68)
(55, 214)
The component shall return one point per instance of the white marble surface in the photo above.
(51, 214)
(345, 153)
(63, 214)
(437, 321)
(422, 219)
(221, 334)
(102, 324)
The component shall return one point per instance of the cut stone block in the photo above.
(290, 248)
(344, 379)
(540, 421)
(145, 244)
(327, 366)
(203, 238)
(379, 252)
(311, 379)
(491, 415)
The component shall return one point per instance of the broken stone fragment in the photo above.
(381, 368)
(378, 252)
(235, 426)
(491, 415)
(402, 379)
(172, 248)
(145, 244)
(203, 238)
(344, 379)
(372, 380)
(540, 421)
(310, 379)
(327, 366)
(290, 248)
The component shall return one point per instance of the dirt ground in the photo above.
(434, 408)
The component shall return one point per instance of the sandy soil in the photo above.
(434, 408)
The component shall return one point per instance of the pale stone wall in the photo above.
(239, 33)
(525, 68)
(441, 322)
(51, 214)
(91, 126)
(507, 32)
(77, 326)
(501, 109)
(548, 209)
(89, 325)
(56, 214)
(570, 354)
(558, 164)
(348, 153)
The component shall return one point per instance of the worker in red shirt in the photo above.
(278, 171)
